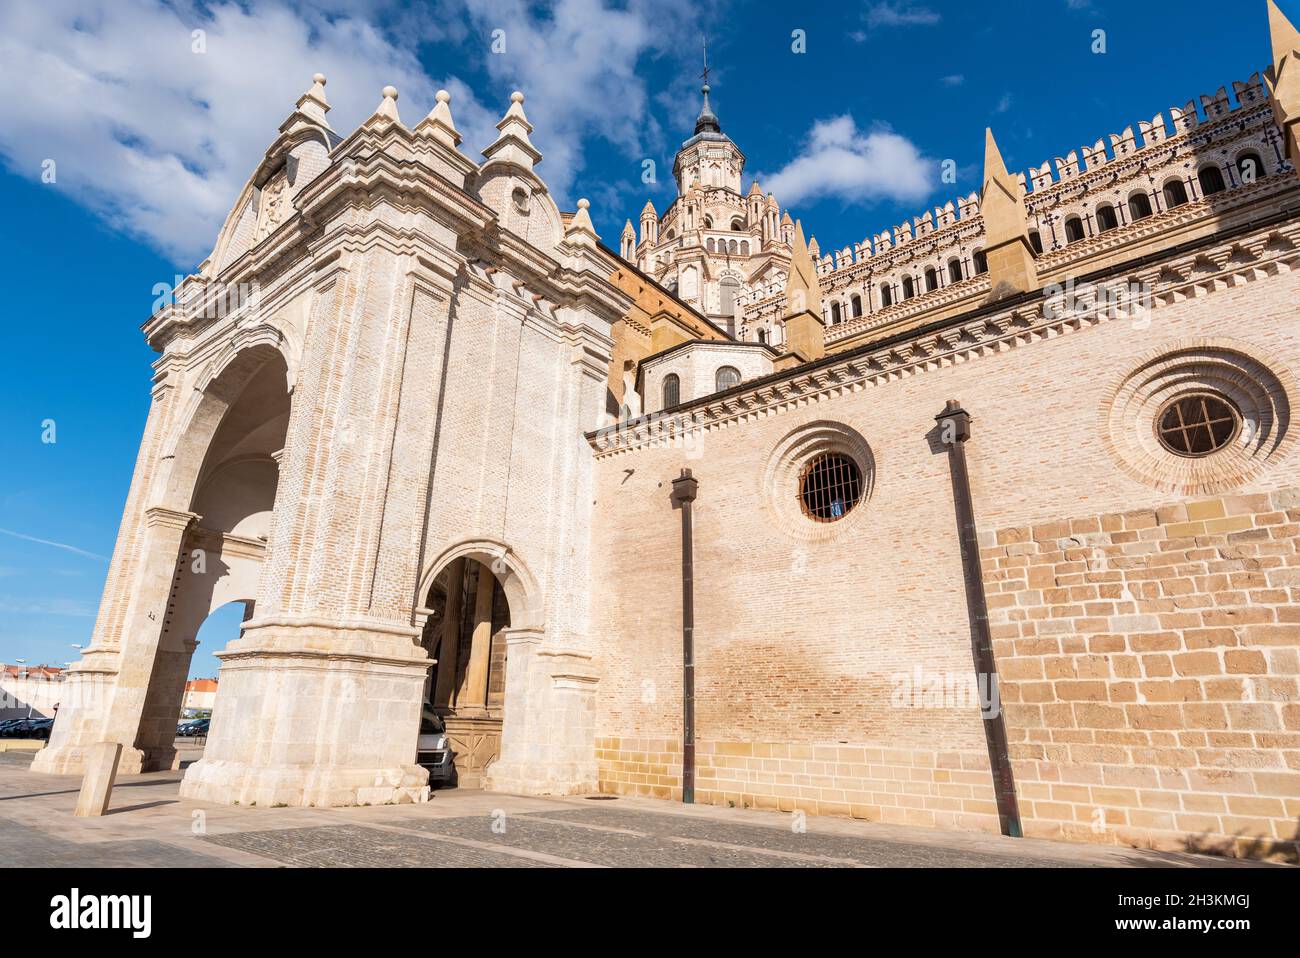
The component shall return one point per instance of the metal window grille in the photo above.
(727, 377)
(1198, 424)
(829, 486)
(672, 390)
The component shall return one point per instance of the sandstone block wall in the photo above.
(1149, 662)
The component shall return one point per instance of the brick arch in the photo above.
(516, 579)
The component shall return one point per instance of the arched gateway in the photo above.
(366, 426)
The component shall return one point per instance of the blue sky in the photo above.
(153, 130)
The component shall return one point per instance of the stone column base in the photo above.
(315, 713)
(529, 779)
(234, 783)
(475, 743)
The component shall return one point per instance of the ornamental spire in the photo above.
(707, 120)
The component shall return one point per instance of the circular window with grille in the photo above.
(830, 485)
(1198, 424)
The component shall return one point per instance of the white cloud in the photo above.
(888, 14)
(842, 161)
(577, 65)
(955, 79)
(158, 139)
(57, 545)
(1004, 104)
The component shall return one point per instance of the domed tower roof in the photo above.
(707, 121)
(708, 137)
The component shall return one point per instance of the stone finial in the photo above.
(628, 230)
(1006, 224)
(311, 107)
(1284, 36)
(804, 327)
(802, 290)
(513, 144)
(387, 108)
(648, 210)
(439, 122)
(580, 228)
(813, 249)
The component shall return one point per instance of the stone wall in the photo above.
(805, 631)
(1149, 664)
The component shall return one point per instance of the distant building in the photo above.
(200, 694)
(29, 691)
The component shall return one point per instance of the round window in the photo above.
(829, 487)
(1197, 424)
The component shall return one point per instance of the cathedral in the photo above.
(988, 520)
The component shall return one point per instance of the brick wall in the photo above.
(1149, 664)
(799, 642)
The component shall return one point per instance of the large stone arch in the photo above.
(214, 394)
(199, 544)
(225, 475)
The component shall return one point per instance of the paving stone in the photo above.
(863, 851)
(355, 846)
(22, 846)
(611, 848)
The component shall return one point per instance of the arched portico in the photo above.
(212, 481)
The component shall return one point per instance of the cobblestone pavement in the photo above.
(148, 824)
(22, 845)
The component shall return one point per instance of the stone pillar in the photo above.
(118, 718)
(319, 700)
(473, 694)
(449, 647)
(87, 689)
(552, 690)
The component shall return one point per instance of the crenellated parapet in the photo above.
(1185, 166)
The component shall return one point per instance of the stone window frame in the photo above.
(1263, 391)
(786, 462)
